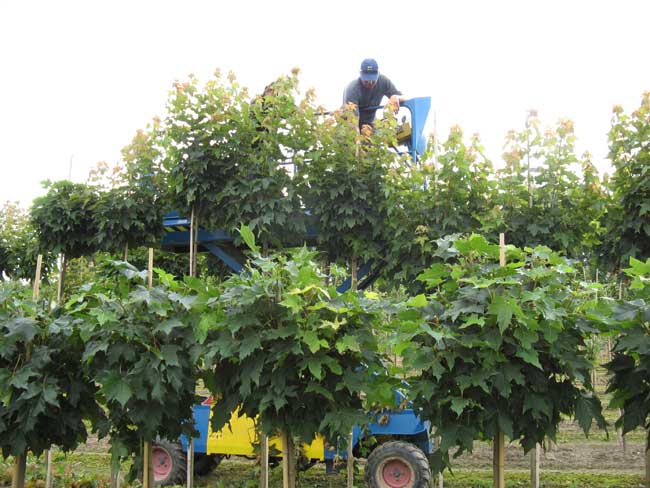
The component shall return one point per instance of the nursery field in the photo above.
(593, 463)
(302, 269)
(598, 461)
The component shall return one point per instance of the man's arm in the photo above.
(391, 92)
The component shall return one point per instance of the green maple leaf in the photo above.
(434, 275)
(314, 342)
(644, 208)
(504, 308)
(438, 335)
(158, 391)
(538, 404)
(315, 367)
(588, 409)
(21, 328)
(166, 326)
(478, 244)
(169, 353)
(459, 404)
(417, 301)
(638, 268)
(103, 316)
(505, 424)
(20, 379)
(293, 302)
(348, 343)
(316, 388)
(249, 238)
(530, 356)
(115, 388)
(50, 394)
(248, 345)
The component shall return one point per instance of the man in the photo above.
(368, 91)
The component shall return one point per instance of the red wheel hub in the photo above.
(162, 463)
(396, 473)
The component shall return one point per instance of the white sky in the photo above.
(78, 78)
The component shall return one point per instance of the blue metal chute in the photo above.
(419, 108)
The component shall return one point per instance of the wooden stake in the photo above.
(288, 462)
(147, 450)
(150, 269)
(20, 462)
(36, 289)
(48, 469)
(647, 460)
(350, 463)
(195, 241)
(190, 463)
(147, 478)
(192, 257)
(534, 466)
(441, 481)
(350, 460)
(36, 294)
(264, 461)
(502, 249)
(621, 412)
(499, 441)
(59, 290)
(498, 466)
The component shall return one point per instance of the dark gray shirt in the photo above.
(363, 97)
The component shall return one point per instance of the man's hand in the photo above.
(394, 103)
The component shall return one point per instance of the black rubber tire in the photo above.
(408, 454)
(205, 463)
(178, 473)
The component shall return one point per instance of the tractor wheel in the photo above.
(397, 464)
(169, 463)
(205, 463)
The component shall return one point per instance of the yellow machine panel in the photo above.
(238, 438)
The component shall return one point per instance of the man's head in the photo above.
(369, 72)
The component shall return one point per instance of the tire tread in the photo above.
(405, 449)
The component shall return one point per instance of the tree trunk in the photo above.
(534, 466)
(350, 465)
(264, 461)
(498, 466)
(288, 462)
(18, 480)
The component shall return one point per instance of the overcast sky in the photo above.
(79, 78)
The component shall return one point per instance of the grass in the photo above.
(90, 470)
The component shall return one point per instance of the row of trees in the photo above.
(489, 348)
(229, 158)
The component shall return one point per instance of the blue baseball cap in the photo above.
(369, 70)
